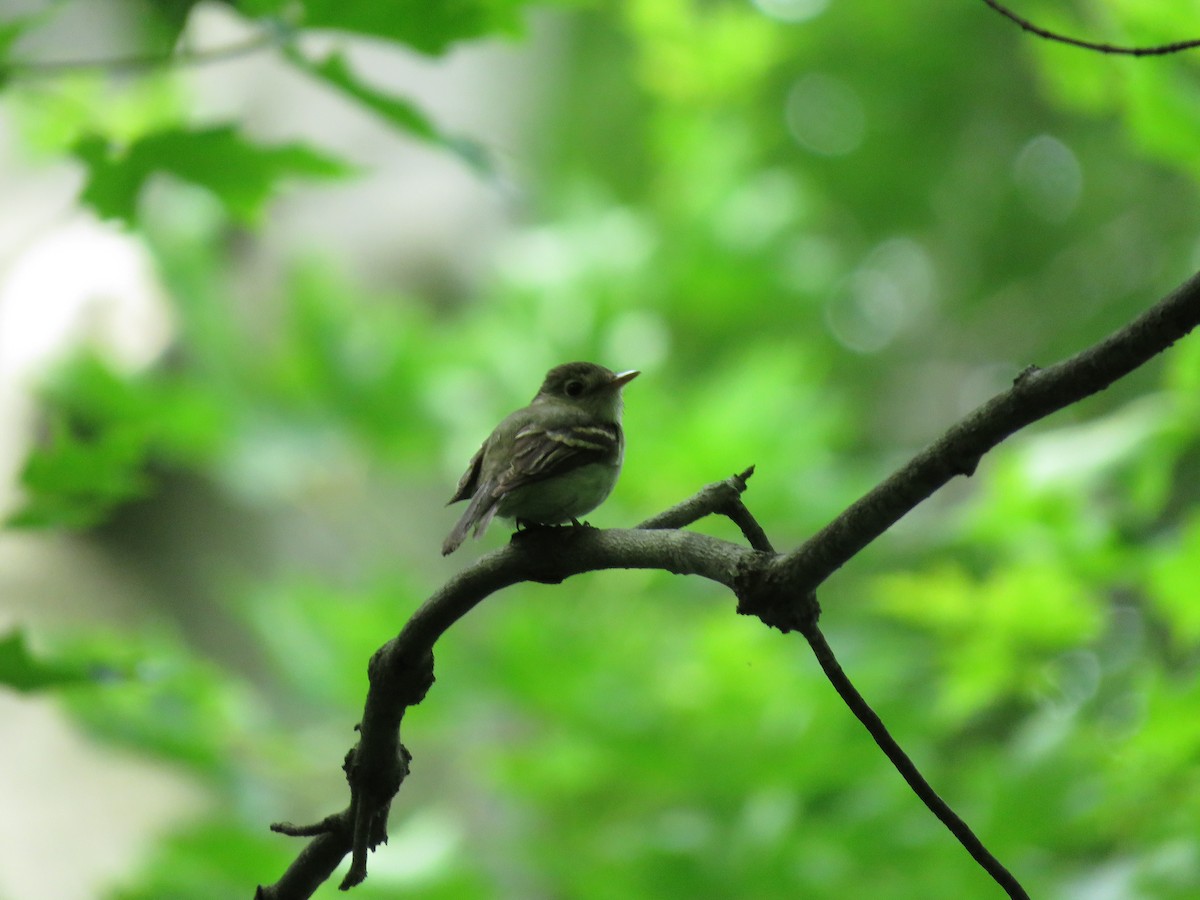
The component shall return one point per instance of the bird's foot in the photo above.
(524, 525)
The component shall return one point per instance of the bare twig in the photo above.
(313, 865)
(710, 499)
(874, 725)
(50, 68)
(723, 498)
(1026, 25)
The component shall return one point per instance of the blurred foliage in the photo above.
(336, 71)
(219, 159)
(824, 231)
(106, 433)
(23, 670)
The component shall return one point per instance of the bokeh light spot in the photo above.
(1049, 177)
(882, 297)
(825, 115)
(791, 10)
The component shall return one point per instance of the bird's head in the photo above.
(588, 386)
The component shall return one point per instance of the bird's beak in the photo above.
(623, 378)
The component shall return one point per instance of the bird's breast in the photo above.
(562, 497)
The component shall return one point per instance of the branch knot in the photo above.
(761, 594)
(404, 679)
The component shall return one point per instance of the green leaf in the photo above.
(335, 70)
(106, 431)
(422, 25)
(996, 632)
(243, 175)
(22, 671)
(74, 480)
(12, 31)
(1172, 584)
(173, 704)
(430, 27)
(172, 16)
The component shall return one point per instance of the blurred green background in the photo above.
(258, 307)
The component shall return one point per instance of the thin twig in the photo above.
(905, 766)
(1026, 25)
(740, 515)
(326, 825)
(723, 498)
(709, 499)
(313, 866)
(50, 68)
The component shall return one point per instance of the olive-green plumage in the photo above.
(552, 461)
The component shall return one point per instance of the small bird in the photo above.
(552, 461)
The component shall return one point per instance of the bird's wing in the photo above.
(541, 452)
(482, 505)
(470, 478)
(477, 515)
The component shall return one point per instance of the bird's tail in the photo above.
(478, 515)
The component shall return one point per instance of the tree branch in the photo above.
(1035, 394)
(723, 498)
(905, 766)
(401, 671)
(316, 862)
(1026, 25)
(778, 589)
(50, 68)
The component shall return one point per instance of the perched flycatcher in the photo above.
(553, 461)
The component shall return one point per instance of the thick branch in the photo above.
(402, 670)
(1035, 394)
(780, 589)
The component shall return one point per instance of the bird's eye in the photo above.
(574, 388)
